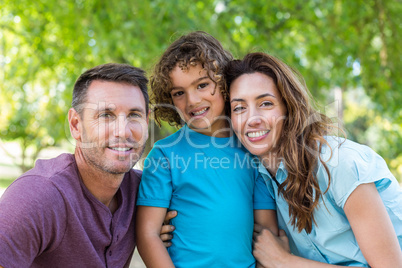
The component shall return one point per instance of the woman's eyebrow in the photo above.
(258, 97)
(265, 95)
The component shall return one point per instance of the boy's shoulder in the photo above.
(176, 137)
(182, 138)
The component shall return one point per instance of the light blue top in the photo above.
(332, 240)
(210, 182)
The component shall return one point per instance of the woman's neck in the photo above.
(271, 162)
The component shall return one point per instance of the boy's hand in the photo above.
(166, 229)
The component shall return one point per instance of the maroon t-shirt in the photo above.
(48, 218)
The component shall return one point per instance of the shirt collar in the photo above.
(281, 170)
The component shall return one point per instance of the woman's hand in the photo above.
(270, 250)
(166, 229)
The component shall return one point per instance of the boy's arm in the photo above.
(149, 221)
(267, 219)
(264, 207)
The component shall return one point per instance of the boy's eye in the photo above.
(177, 93)
(203, 85)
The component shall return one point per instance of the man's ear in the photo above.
(74, 121)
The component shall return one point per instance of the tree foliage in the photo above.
(45, 45)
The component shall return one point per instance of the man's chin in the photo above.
(116, 170)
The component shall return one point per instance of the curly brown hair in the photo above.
(302, 135)
(189, 50)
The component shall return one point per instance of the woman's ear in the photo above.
(74, 121)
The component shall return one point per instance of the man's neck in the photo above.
(102, 185)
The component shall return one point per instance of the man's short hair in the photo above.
(111, 72)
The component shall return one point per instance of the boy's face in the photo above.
(198, 100)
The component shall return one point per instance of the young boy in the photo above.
(201, 171)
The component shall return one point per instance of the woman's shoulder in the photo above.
(351, 164)
(341, 151)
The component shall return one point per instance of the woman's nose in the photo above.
(255, 118)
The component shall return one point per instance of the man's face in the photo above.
(114, 126)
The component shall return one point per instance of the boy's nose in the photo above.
(193, 99)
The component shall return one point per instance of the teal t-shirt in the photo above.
(211, 182)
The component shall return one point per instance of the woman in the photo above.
(336, 200)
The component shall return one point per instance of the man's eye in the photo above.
(105, 115)
(135, 115)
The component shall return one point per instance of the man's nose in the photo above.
(121, 128)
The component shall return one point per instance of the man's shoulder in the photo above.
(47, 168)
(33, 191)
(48, 177)
(132, 179)
(135, 174)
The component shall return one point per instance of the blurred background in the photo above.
(349, 53)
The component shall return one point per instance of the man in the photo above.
(78, 210)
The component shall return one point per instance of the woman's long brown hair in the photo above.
(302, 135)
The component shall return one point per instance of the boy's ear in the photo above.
(74, 121)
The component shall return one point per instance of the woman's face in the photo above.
(258, 113)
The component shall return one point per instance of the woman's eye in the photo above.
(266, 103)
(238, 109)
(203, 85)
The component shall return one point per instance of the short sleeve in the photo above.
(156, 183)
(353, 164)
(262, 197)
(32, 220)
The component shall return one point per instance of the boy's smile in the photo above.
(198, 100)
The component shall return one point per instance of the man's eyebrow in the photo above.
(108, 109)
(141, 110)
